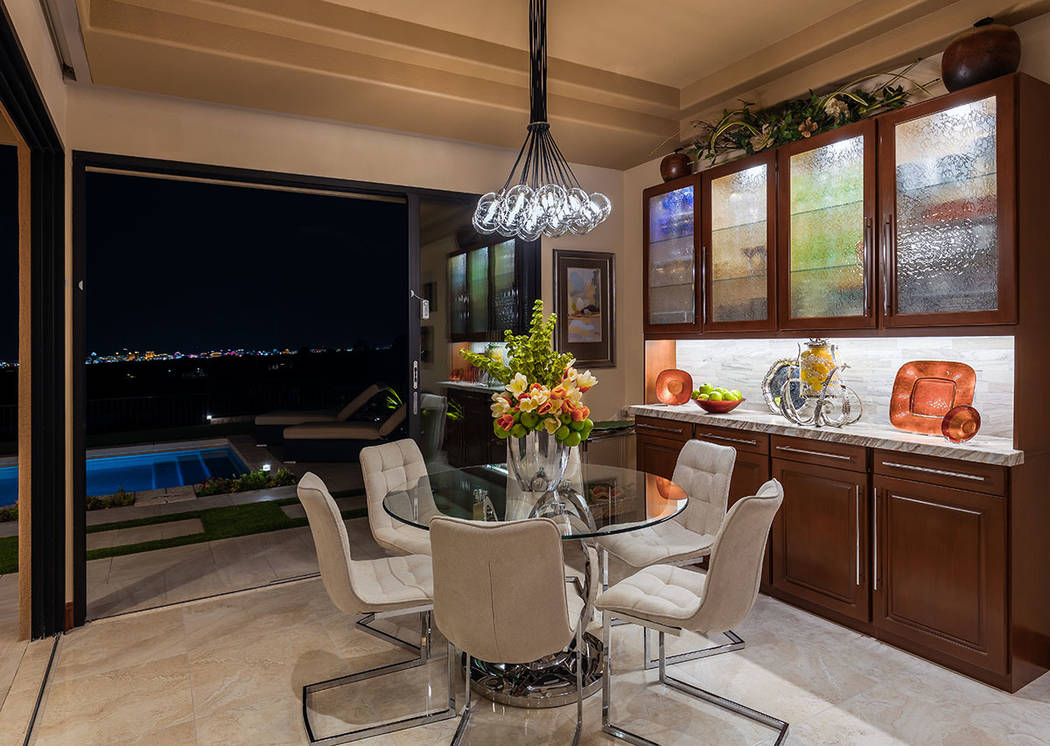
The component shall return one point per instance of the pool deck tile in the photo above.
(138, 534)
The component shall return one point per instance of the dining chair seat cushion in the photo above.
(394, 581)
(661, 593)
(669, 541)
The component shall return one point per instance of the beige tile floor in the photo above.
(230, 670)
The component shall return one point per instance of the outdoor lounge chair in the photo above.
(269, 427)
(337, 441)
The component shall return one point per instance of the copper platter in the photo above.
(926, 390)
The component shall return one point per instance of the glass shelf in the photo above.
(953, 182)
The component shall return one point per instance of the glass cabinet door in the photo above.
(827, 203)
(478, 291)
(670, 242)
(504, 287)
(457, 294)
(739, 218)
(947, 255)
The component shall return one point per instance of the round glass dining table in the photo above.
(591, 501)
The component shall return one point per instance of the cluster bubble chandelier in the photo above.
(546, 198)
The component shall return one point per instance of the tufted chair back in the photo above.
(499, 588)
(704, 471)
(733, 578)
(331, 542)
(386, 468)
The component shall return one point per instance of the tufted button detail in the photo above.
(661, 591)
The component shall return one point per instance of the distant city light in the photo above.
(207, 417)
(266, 467)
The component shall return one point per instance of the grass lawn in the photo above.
(219, 523)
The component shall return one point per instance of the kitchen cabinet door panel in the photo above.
(940, 570)
(738, 215)
(820, 537)
(671, 282)
(657, 455)
(948, 204)
(826, 213)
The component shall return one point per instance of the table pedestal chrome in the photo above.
(548, 682)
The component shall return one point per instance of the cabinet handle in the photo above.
(658, 428)
(726, 438)
(867, 258)
(928, 470)
(856, 505)
(703, 283)
(875, 543)
(839, 456)
(888, 249)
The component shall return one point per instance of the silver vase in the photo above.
(537, 461)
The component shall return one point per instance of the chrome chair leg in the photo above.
(365, 621)
(464, 719)
(605, 583)
(735, 643)
(607, 725)
(423, 654)
(661, 662)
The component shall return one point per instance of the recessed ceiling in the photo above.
(624, 75)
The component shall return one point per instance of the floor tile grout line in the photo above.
(21, 658)
(43, 689)
(199, 599)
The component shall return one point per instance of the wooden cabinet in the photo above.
(485, 283)
(469, 439)
(825, 220)
(738, 219)
(948, 209)
(939, 558)
(820, 538)
(658, 443)
(670, 250)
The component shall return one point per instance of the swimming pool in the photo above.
(143, 471)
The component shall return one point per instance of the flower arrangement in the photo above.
(543, 391)
(749, 131)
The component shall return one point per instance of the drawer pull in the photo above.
(839, 456)
(659, 429)
(728, 439)
(928, 470)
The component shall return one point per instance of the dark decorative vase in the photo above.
(675, 166)
(986, 51)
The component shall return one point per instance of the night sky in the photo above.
(178, 266)
(8, 253)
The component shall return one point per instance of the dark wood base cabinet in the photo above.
(940, 571)
(924, 553)
(820, 538)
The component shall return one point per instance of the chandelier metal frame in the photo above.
(541, 195)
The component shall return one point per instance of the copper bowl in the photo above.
(674, 386)
(718, 407)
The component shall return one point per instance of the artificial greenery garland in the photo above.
(752, 131)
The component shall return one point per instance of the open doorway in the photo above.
(225, 318)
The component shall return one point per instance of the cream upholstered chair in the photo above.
(500, 595)
(704, 470)
(388, 468)
(670, 599)
(391, 586)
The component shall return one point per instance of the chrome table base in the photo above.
(548, 682)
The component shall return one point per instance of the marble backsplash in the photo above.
(873, 364)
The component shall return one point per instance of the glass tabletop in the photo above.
(595, 501)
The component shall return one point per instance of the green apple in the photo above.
(519, 431)
(706, 388)
(715, 396)
(500, 432)
(704, 397)
(529, 419)
(585, 433)
(573, 439)
(576, 425)
(566, 419)
(562, 432)
(737, 396)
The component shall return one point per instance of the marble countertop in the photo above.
(981, 449)
(471, 386)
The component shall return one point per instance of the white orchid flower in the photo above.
(526, 404)
(550, 424)
(586, 380)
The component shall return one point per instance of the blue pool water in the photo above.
(143, 471)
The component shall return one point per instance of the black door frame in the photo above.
(85, 160)
(25, 105)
